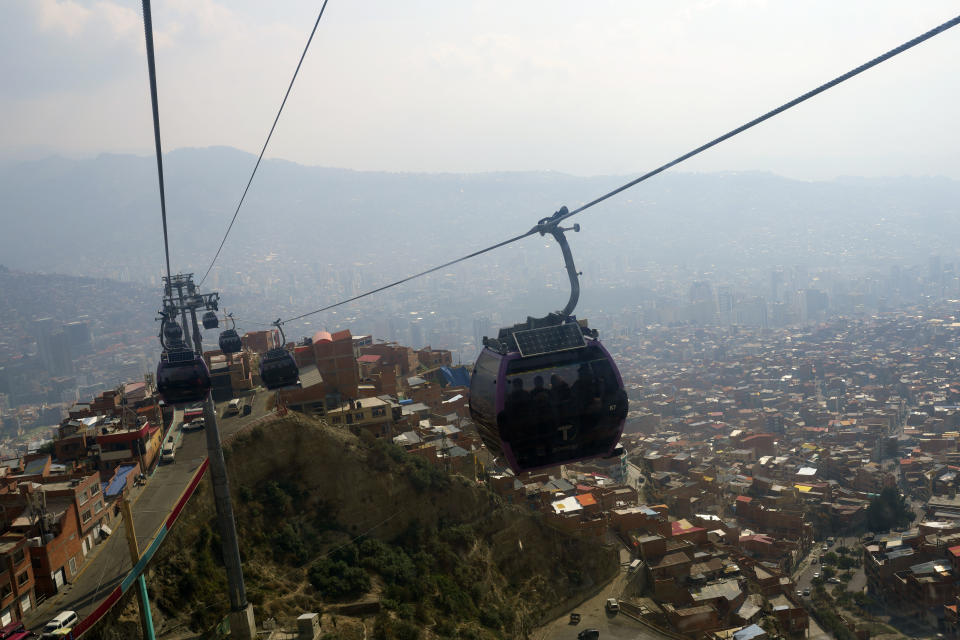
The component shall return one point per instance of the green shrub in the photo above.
(275, 499)
(452, 600)
(445, 628)
(490, 617)
(387, 628)
(336, 580)
(347, 554)
(287, 545)
(187, 585)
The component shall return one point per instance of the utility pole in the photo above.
(242, 623)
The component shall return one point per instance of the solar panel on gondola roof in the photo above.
(562, 337)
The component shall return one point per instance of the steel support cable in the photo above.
(266, 142)
(558, 217)
(413, 277)
(152, 70)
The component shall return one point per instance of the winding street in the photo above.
(109, 562)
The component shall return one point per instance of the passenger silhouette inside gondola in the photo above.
(517, 407)
(587, 399)
(543, 417)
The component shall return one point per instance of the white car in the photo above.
(194, 425)
(169, 451)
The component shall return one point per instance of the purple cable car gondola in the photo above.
(278, 369)
(230, 341)
(546, 392)
(182, 375)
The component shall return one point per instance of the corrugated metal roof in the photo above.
(309, 376)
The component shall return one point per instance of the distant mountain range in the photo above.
(101, 216)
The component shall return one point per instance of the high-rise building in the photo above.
(752, 312)
(776, 284)
(481, 328)
(416, 334)
(78, 332)
(702, 308)
(813, 304)
(53, 347)
(725, 304)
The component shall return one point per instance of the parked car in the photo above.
(806, 592)
(247, 409)
(814, 560)
(169, 452)
(833, 580)
(194, 425)
(816, 576)
(612, 606)
(588, 634)
(11, 629)
(63, 620)
(233, 408)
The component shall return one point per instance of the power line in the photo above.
(151, 68)
(266, 142)
(563, 215)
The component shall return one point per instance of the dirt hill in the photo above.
(381, 543)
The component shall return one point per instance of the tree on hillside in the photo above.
(888, 510)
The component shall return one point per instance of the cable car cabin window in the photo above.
(484, 384)
(561, 407)
(185, 382)
(483, 399)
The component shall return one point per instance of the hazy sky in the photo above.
(461, 85)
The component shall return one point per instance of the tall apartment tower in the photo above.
(53, 347)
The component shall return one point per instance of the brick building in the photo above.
(16, 578)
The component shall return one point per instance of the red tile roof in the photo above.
(677, 528)
(586, 499)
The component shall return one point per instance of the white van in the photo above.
(168, 452)
(63, 620)
(233, 408)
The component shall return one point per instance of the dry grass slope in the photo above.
(380, 542)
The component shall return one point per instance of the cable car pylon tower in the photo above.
(182, 300)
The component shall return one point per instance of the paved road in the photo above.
(594, 616)
(804, 575)
(110, 562)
